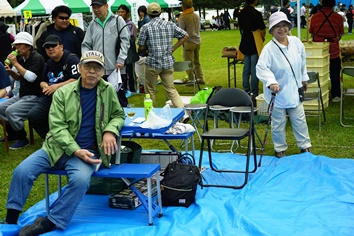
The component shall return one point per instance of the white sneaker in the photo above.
(336, 99)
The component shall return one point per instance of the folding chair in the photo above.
(6, 141)
(317, 97)
(230, 97)
(347, 70)
(180, 66)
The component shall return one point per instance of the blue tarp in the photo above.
(300, 194)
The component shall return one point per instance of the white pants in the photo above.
(299, 126)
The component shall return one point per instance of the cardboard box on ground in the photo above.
(127, 199)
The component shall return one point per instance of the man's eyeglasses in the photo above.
(94, 65)
(47, 46)
(63, 17)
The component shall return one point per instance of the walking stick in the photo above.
(270, 110)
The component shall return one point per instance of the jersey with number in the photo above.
(58, 72)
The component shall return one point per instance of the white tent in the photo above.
(6, 9)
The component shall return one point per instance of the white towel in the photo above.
(180, 128)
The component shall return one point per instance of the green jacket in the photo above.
(65, 117)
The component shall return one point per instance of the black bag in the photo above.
(179, 185)
(130, 154)
(215, 90)
(301, 94)
(132, 54)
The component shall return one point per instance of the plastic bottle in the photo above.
(147, 105)
(7, 61)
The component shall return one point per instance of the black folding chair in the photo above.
(230, 97)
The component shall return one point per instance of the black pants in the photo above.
(38, 115)
(121, 95)
(334, 73)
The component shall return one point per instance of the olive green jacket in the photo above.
(65, 117)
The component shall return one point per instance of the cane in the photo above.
(270, 110)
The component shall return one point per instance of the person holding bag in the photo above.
(250, 20)
(282, 69)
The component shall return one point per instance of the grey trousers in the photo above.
(14, 110)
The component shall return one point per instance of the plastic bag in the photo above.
(158, 120)
(201, 96)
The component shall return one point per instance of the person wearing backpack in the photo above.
(327, 26)
(128, 78)
(59, 70)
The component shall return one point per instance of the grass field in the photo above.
(333, 141)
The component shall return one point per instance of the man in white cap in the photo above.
(27, 68)
(75, 142)
(157, 38)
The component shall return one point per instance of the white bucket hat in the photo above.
(23, 37)
(278, 17)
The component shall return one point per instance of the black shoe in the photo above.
(40, 226)
(9, 139)
(280, 154)
(305, 150)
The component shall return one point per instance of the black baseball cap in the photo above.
(52, 39)
(98, 2)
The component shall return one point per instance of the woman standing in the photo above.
(143, 16)
(124, 12)
(282, 69)
(140, 65)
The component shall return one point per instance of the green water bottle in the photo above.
(7, 61)
(147, 105)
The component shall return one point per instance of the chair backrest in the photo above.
(313, 77)
(180, 66)
(231, 97)
(348, 70)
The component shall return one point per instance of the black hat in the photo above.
(98, 2)
(52, 39)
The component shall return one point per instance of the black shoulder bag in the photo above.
(132, 55)
(301, 90)
(179, 185)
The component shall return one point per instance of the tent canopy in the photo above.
(6, 9)
(45, 7)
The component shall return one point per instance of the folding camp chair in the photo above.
(315, 96)
(230, 97)
(347, 70)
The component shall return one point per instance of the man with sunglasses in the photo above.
(85, 117)
(70, 35)
(60, 69)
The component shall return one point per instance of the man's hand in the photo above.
(48, 90)
(13, 59)
(85, 155)
(119, 66)
(109, 143)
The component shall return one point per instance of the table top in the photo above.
(129, 127)
(124, 170)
